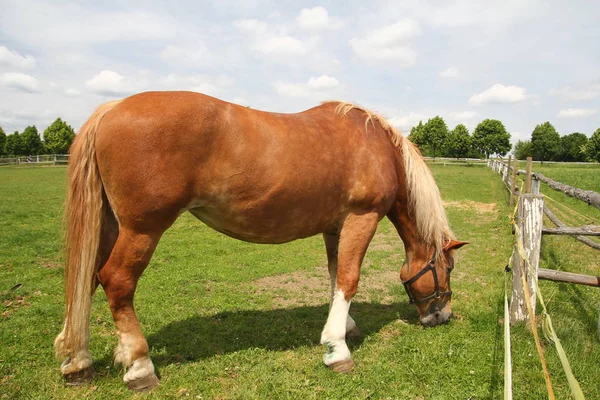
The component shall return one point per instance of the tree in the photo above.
(545, 142)
(572, 147)
(416, 134)
(58, 137)
(14, 145)
(458, 143)
(32, 143)
(491, 137)
(2, 141)
(592, 148)
(522, 149)
(435, 133)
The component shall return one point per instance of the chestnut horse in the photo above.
(336, 169)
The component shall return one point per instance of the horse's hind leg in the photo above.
(355, 236)
(119, 277)
(331, 244)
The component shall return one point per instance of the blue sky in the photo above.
(521, 61)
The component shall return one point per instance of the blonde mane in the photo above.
(425, 202)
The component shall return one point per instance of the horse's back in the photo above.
(245, 172)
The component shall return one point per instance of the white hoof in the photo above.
(140, 376)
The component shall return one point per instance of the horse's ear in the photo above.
(454, 244)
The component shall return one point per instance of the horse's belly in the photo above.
(270, 225)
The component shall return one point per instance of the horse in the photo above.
(336, 169)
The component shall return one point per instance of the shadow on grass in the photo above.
(283, 329)
(582, 308)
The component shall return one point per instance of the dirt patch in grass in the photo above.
(385, 242)
(46, 263)
(486, 212)
(12, 305)
(312, 287)
(480, 208)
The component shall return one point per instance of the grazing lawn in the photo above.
(231, 320)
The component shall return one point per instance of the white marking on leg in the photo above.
(76, 362)
(334, 333)
(350, 324)
(141, 368)
(123, 350)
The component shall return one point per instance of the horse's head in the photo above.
(427, 283)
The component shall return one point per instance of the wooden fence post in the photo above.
(528, 179)
(507, 175)
(513, 183)
(530, 222)
(535, 186)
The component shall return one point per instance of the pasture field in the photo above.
(231, 320)
(571, 211)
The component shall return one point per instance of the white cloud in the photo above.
(323, 82)
(282, 46)
(109, 83)
(499, 94)
(251, 25)
(316, 18)
(19, 81)
(390, 42)
(449, 73)
(177, 55)
(291, 89)
(589, 91)
(207, 84)
(463, 13)
(86, 24)
(314, 86)
(72, 92)
(462, 115)
(406, 122)
(576, 113)
(14, 59)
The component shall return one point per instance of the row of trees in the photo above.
(490, 137)
(57, 140)
(435, 139)
(547, 145)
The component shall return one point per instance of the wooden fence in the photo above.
(44, 159)
(529, 219)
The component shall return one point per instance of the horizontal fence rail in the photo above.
(43, 159)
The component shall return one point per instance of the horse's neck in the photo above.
(408, 231)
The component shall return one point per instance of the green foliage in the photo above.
(592, 149)
(32, 143)
(435, 133)
(2, 141)
(545, 142)
(572, 147)
(417, 135)
(491, 137)
(14, 145)
(522, 149)
(58, 137)
(458, 143)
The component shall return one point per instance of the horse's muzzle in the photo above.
(438, 317)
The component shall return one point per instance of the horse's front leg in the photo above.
(355, 236)
(331, 244)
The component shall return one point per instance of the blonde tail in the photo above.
(84, 217)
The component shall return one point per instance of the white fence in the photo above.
(45, 159)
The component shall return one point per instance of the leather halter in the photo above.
(436, 294)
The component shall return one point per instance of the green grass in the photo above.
(227, 319)
(571, 211)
